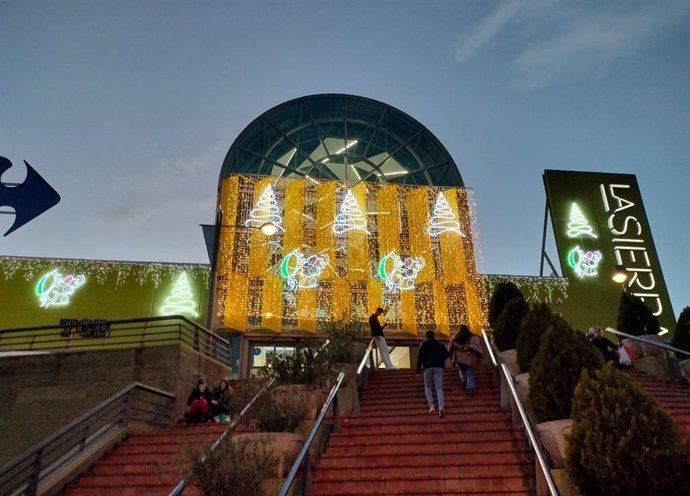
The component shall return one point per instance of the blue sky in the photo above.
(127, 108)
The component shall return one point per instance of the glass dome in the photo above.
(341, 137)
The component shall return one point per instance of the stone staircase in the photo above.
(143, 464)
(674, 397)
(397, 447)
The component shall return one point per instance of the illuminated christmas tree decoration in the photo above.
(398, 274)
(578, 225)
(443, 219)
(300, 271)
(584, 264)
(53, 289)
(266, 210)
(350, 217)
(181, 301)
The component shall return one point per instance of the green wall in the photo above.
(110, 290)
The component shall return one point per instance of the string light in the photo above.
(442, 288)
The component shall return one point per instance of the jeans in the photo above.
(469, 375)
(383, 351)
(435, 373)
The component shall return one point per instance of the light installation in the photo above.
(54, 289)
(443, 219)
(327, 263)
(578, 225)
(399, 274)
(181, 300)
(266, 210)
(300, 271)
(350, 217)
(584, 263)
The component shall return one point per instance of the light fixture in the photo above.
(269, 228)
(620, 275)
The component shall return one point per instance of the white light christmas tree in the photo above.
(350, 217)
(266, 210)
(578, 226)
(181, 300)
(443, 219)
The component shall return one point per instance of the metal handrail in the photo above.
(165, 330)
(527, 425)
(660, 344)
(44, 458)
(182, 485)
(332, 398)
(363, 363)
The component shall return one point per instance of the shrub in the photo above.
(563, 353)
(634, 317)
(504, 292)
(243, 393)
(532, 328)
(236, 468)
(507, 326)
(622, 442)
(306, 365)
(681, 334)
(278, 411)
(341, 341)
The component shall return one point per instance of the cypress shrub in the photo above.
(563, 353)
(532, 328)
(507, 326)
(634, 317)
(681, 334)
(504, 292)
(622, 442)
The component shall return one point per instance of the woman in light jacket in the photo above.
(466, 353)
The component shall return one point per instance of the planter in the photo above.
(522, 387)
(315, 397)
(285, 446)
(552, 438)
(509, 357)
(643, 349)
(685, 369)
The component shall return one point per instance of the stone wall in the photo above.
(41, 393)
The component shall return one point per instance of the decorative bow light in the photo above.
(300, 271)
(398, 273)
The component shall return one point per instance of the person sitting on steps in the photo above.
(199, 403)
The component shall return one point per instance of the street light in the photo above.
(620, 275)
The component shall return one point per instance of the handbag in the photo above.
(624, 357)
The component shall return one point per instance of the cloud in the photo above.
(563, 43)
(173, 189)
(506, 14)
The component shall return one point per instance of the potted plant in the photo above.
(622, 441)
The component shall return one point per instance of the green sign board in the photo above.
(599, 223)
(45, 291)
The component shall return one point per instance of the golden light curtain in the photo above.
(452, 254)
(325, 213)
(357, 241)
(417, 203)
(258, 255)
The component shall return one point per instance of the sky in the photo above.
(128, 108)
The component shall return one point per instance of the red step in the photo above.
(397, 447)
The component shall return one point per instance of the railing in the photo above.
(526, 424)
(35, 467)
(116, 334)
(303, 455)
(182, 485)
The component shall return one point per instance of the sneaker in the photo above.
(471, 391)
(432, 409)
(441, 412)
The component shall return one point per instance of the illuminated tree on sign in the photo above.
(266, 210)
(443, 219)
(181, 301)
(350, 217)
(578, 225)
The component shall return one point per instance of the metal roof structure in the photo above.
(341, 137)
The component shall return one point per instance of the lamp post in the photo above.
(620, 276)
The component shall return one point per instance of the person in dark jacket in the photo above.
(220, 404)
(377, 333)
(432, 359)
(607, 348)
(199, 403)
